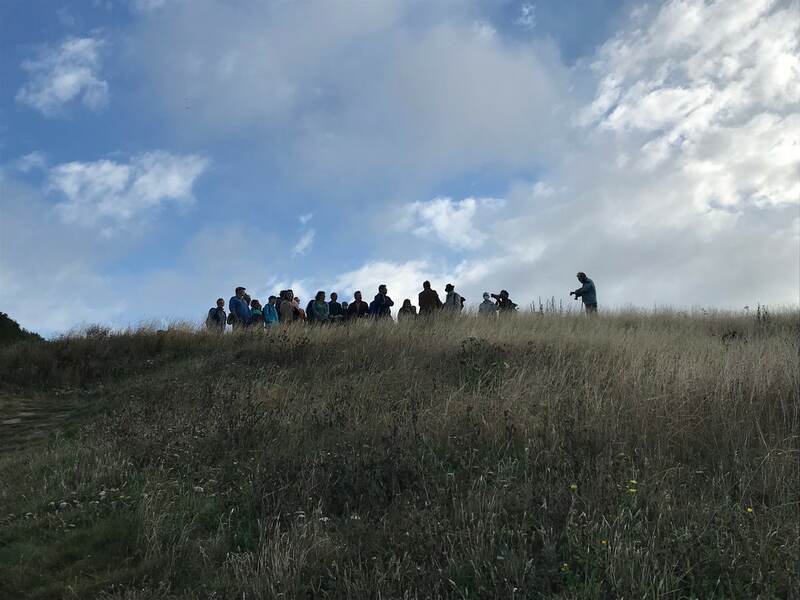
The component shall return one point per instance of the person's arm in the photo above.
(388, 301)
(437, 301)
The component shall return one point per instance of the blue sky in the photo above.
(156, 153)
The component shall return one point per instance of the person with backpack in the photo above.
(428, 300)
(381, 306)
(239, 310)
(453, 302)
(504, 304)
(217, 319)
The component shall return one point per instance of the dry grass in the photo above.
(630, 455)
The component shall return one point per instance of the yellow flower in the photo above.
(604, 542)
(749, 509)
(633, 482)
(632, 490)
(573, 487)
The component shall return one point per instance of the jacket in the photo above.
(381, 306)
(452, 302)
(319, 311)
(358, 309)
(335, 309)
(270, 315)
(240, 309)
(216, 318)
(286, 312)
(487, 308)
(428, 301)
(586, 292)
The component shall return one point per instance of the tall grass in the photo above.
(628, 455)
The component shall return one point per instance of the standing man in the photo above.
(586, 292)
(505, 306)
(453, 302)
(487, 308)
(381, 306)
(217, 319)
(357, 308)
(239, 309)
(428, 299)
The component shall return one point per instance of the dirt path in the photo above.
(28, 421)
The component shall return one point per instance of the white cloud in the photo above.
(305, 218)
(304, 244)
(527, 16)
(112, 194)
(68, 72)
(448, 221)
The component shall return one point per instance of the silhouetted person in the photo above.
(428, 300)
(487, 308)
(453, 302)
(381, 306)
(345, 311)
(358, 308)
(239, 309)
(335, 309)
(504, 304)
(407, 312)
(217, 319)
(286, 311)
(586, 292)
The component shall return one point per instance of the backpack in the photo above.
(232, 318)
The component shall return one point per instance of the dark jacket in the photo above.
(381, 306)
(335, 309)
(358, 309)
(407, 313)
(428, 301)
(586, 292)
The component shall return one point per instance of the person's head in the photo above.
(487, 296)
(220, 303)
(382, 289)
(357, 296)
(581, 276)
(255, 303)
(449, 287)
(426, 285)
(406, 303)
(240, 292)
(334, 296)
(272, 300)
(345, 305)
(503, 293)
(290, 294)
(320, 297)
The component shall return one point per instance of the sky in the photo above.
(154, 154)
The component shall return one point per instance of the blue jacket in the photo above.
(587, 292)
(270, 315)
(239, 308)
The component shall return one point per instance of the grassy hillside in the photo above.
(636, 456)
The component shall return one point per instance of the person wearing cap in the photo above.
(428, 300)
(504, 304)
(586, 292)
(487, 308)
(453, 302)
(239, 309)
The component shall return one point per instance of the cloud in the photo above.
(448, 221)
(70, 71)
(304, 219)
(527, 16)
(110, 194)
(304, 244)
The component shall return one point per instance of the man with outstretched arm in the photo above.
(586, 292)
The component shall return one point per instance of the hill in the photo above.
(541, 456)
(10, 331)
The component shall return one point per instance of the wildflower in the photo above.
(633, 482)
(573, 487)
(749, 509)
(564, 567)
(632, 490)
(604, 542)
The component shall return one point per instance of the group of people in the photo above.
(246, 312)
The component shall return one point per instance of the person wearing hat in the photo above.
(487, 308)
(453, 302)
(239, 309)
(504, 304)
